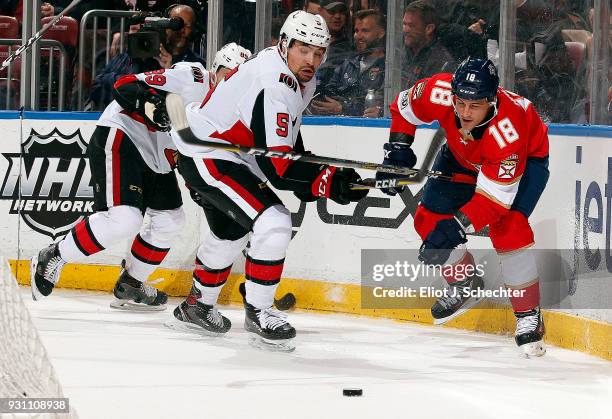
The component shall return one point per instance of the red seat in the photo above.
(15, 65)
(9, 27)
(66, 30)
(577, 53)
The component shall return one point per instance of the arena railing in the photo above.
(51, 45)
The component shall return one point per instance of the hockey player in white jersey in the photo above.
(259, 103)
(132, 157)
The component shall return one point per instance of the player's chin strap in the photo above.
(492, 103)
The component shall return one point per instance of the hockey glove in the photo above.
(396, 154)
(335, 183)
(439, 243)
(138, 97)
(154, 110)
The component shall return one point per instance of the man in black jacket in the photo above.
(362, 73)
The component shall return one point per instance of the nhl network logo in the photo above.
(55, 175)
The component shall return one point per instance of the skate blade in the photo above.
(284, 345)
(36, 294)
(176, 324)
(533, 349)
(128, 305)
(468, 305)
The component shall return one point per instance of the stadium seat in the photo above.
(9, 27)
(577, 53)
(66, 30)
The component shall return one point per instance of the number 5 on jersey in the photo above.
(282, 120)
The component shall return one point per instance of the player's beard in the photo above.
(307, 76)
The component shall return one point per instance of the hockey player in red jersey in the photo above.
(132, 157)
(497, 150)
(259, 104)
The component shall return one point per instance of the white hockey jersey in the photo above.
(190, 80)
(260, 95)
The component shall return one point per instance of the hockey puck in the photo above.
(286, 302)
(352, 392)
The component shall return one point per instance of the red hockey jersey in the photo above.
(499, 156)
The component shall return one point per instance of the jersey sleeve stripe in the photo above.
(407, 111)
(501, 193)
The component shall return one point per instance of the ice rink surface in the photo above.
(116, 364)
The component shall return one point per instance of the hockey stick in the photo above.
(176, 112)
(422, 173)
(37, 35)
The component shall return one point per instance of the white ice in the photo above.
(116, 364)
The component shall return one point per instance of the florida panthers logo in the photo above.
(54, 182)
(507, 167)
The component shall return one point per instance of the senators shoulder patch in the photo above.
(289, 81)
(198, 76)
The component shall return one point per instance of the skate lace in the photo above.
(271, 318)
(527, 324)
(148, 290)
(53, 268)
(215, 317)
(447, 301)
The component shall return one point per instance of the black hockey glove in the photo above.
(138, 97)
(335, 183)
(439, 243)
(154, 111)
(397, 153)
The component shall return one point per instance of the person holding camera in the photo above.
(132, 159)
(175, 46)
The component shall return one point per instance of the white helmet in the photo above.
(230, 56)
(305, 27)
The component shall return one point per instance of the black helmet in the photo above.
(474, 79)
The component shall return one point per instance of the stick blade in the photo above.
(432, 151)
(176, 111)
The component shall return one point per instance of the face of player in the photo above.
(367, 33)
(304, 59)
(471, 113)
(221, 72)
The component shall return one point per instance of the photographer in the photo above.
(174, 48)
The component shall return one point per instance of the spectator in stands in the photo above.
(356, 76)
(335, 14)
(313, 6)
(466, 26)
(176, 50)
(277, 24)
(425, 55)
(179, 42)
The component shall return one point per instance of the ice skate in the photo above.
(455, 302)
(194, 316)
(530, 333)
(268, 329)
(134, 295)
(45, 269)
